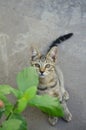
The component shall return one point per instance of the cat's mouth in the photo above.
(41, 75)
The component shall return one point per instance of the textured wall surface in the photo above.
(38, 22)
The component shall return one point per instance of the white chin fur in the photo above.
(42, 76)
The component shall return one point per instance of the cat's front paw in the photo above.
(68, 117)
(65, 96)
(53, 120)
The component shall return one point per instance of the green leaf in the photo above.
(18, 94)
(8, 105)
(30, 93)
(5, 89)
(22, 104)
(8, 108)
(27, 78)
(23, 101)
(2, 110)
(49, 105)
(12, 124)
(20, 117)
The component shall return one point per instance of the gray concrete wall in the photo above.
(38, 22)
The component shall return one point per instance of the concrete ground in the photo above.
(38, 22)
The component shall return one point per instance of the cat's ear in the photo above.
(52, 54)
(35, 53)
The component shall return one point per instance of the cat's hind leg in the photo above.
(65, 94)
(67, 115)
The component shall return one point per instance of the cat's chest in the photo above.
(52, 90)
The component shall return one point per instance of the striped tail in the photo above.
(60, 40)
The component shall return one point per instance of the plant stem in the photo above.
(15, 105)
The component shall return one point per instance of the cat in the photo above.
(51, 79)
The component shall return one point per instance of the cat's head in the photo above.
(44, 64)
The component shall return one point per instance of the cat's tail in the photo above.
(60, 40)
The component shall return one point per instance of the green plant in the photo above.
(27, 82)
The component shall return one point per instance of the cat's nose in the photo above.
(41, 72)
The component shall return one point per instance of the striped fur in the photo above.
(60, 39)
(51, 79)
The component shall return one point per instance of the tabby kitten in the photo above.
(51, 80)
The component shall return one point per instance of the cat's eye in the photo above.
(47, 66)
(37, 65)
